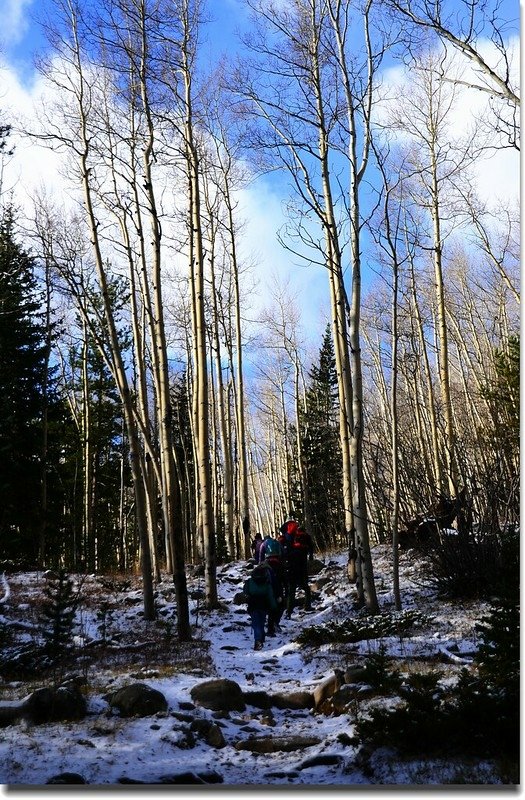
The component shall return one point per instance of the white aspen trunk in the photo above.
(221, 394)
(307, 522)
(243, 499)
(203, 444)
(117, 364)
(430, 392)
(170, 497)
(121, 381)
(87, 461)
(394, 440)
(443, 359)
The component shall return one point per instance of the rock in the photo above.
(182, 717)
(293, 700)
(68, 778)
(321, 760)
(219, 694)
(55, 705)
(315, 566)
(215, 737)
(239, 599)
(347, 741)
(137, 700)
(341, 699)
(11, 711)
(259, 699)
(269, 744)
(268, 719)
(282, 774)
(355, 673)
(318, 584)
(328, 687)
(183, 739)
(190, 778)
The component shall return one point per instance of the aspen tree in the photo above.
(82, 90)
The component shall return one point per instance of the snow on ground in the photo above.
(104, 747)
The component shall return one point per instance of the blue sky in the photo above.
(21, 39)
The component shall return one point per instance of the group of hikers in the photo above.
(281, 567)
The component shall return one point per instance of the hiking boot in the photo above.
(258, 646)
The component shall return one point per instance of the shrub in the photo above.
(361, 628)
(473, 565)
(478, 717)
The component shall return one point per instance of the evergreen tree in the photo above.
(183, 450)
(58, 616)
(22, 359)
(322, 448)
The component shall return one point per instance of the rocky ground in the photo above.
(146, 709)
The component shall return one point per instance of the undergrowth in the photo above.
(397, 623)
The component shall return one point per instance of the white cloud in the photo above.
(32, 166)
(497, 173)
(15, 22)
(262, 209)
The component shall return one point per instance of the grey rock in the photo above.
(137, 700)
(259, 699)
(219, 694)
(66, 778)
(321, 760)
(294, 700)
(55, 705)
(215, 737)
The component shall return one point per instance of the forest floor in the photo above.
(116, 647)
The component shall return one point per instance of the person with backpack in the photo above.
(287, 533)
(301, 550)
(261, 600)
(255, 546)
(269, 547)
(278, 576)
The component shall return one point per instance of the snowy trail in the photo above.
(107, 750)
(278, 666)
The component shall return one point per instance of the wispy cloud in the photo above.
(15, 21)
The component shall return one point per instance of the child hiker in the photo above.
(261, 600)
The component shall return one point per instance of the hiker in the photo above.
(287, 532)
(256, 546)
(261, 600)
(269, 547)
(277, 568)
(300, 550)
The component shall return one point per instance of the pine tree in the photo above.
(322, 447)
(22, 358)
(58, 616)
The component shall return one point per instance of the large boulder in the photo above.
(137, 700)
(218, 694)
(294, 700)
(258, 698)
(55, 705)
